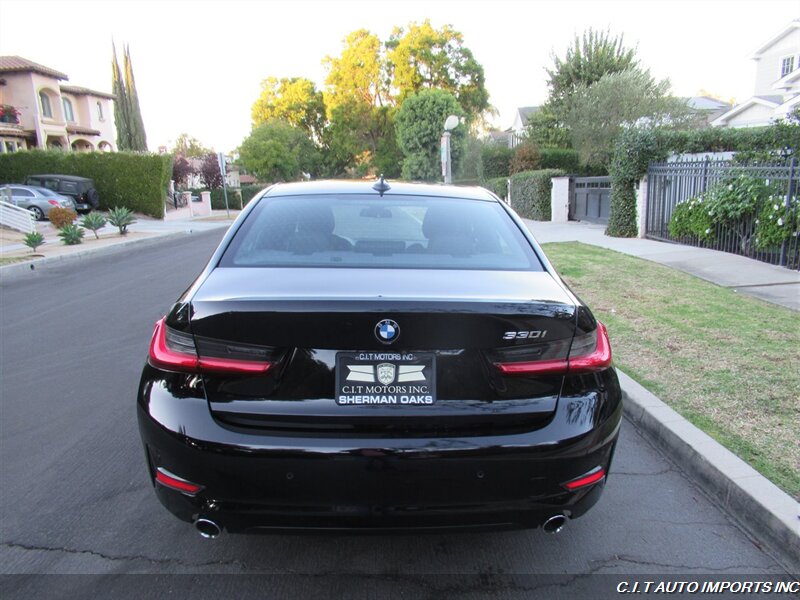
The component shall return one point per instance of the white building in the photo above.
(777, 85)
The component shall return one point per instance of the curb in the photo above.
(32, 265)
(763, 509)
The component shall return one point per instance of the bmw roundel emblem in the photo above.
(387, 331)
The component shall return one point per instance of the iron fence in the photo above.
(671, 183)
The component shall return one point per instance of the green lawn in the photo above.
(728, 363)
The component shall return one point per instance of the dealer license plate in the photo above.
(385, 378)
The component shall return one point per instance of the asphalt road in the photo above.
(75, 497)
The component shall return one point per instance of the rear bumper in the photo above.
(254, 482)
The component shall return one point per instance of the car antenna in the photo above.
(381, 186)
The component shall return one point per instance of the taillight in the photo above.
(174, 482)
(173, 350)
(594, 476)
(53, 202)
(588, 353)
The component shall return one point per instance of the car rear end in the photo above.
(392, 362)
(48, 199)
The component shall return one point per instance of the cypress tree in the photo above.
(136, 124)
(120, 104)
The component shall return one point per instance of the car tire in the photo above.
(38, 215)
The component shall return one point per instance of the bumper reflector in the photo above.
(594, 476)
(174, 482)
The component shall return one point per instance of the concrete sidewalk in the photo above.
(767, 282)
(144, 229)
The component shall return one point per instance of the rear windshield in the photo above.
(389, 232)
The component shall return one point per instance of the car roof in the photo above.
(396, 188)
(67, 177)
(36, 188)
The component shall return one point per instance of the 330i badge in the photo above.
(389, 357)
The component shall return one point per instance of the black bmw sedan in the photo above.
(385, 356)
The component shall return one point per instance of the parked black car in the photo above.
(80, 189)
(392, 357)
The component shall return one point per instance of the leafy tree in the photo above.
(209, 172)
(419, 124)
(597, 113)
(357, 75)
(546, 131)
(360, 112)
(278, 151)
(186, 145)
(591, 56)
(181, 170)
(421, 57)
(294, 100)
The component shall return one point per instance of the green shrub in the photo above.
(530, 193)
(248, 192)
(218, 198)
(635, 149)
(61, 216)
(526, 158)
(776, 223)
(93, 222)
(749, 207)
(498, 185)
(33, 240)
(135, 180)
(691, 218)
(565, 159)
(496, 160)
(71, 234)
(120, 217)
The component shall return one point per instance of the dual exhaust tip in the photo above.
(554, 524)
(207, 528)
(210, 530)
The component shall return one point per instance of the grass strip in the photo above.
(728, 363)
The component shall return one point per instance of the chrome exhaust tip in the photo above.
(207, 528)
(555, 524)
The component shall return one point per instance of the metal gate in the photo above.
(591, 199)
(670, 183)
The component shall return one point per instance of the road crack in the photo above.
(123, 557)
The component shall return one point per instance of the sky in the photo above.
(198, 64)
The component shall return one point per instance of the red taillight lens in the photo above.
(174, 482)
(53, 202)
(175, 351)
(167, 356)
(594, 476)
(586, 356)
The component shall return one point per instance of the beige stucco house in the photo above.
(37, 110)
(777, 85)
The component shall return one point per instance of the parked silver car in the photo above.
(38, 200)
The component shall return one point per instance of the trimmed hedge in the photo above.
(136, 181)
(565, 159)
(496, 160)
(218, 197)
(530, 193)
(248, 192)
(497, 185)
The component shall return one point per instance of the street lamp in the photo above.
(447, 167)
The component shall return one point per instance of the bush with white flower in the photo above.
(737, 204)
(691, 218)
(777, 223)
